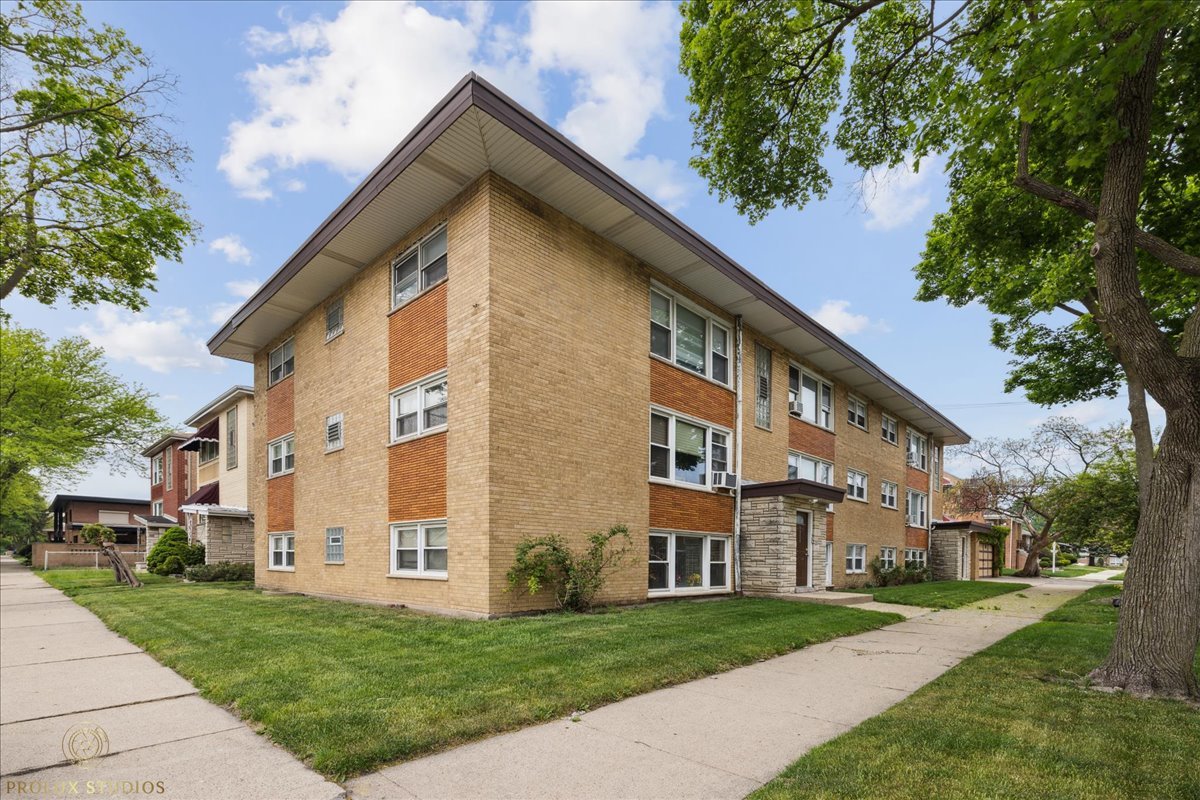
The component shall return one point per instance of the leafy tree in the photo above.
(86, 206)
(547, 562)
(1071, 133)
(23, 512)
(1100, 506)
(62, 411)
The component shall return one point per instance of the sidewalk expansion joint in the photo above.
(192, 693)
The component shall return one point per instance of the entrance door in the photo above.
(829, 563)
(802, 572)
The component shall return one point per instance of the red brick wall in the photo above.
(916, 479)
(281, 515)
(674, 388)
(417, 479)
(829, 527)
(281, 408)
(417, 338)
(810, 439)
(916, 537)
(689, 510)
(281, 420)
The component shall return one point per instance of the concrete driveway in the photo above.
(725, 735)
(62, 670)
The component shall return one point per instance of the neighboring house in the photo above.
(957, 551)
(216, 513)
(70, 512)
(496, 337)
(1018, 541)
(170, 483)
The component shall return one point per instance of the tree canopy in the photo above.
(86, 160)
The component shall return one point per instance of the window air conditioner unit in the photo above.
(796, 407)
(724, 480)
(910, 460)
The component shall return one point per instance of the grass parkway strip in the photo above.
(1015, 721)
(350, 687)
(941, 594)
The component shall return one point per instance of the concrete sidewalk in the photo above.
(722, 736)
(61, 667)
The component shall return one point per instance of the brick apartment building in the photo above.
(494, 336)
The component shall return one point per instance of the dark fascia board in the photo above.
(971, 525)
(218, 402)
(796, 486)
(178, 436)
(63, 499)
(474, 91)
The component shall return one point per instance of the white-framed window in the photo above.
(684, 450)
(856, 412)
(420, 548)
(856, 485)
(887, 557)
(283, 551)
(914, 558)
(231, 438)
(683, 562)
(814, 395)
(156, 469)
(281, 456)
(335, 319)
(688, 337)
(762, 386)
(335, 545)
(813, 469)
(918, 450)
(856, 559)
(915, 508)
(156, 508)
(937, 468)
(889, 430)
(208, 452)
(420, 407)
(335, 438)
(281, 362)
(169, 465)
(889, 494)
(420, 267)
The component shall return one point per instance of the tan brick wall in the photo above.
(417, 479)
(677, 508)
(764, 452)
(688, 394)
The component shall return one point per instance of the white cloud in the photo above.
(242, 289)
(165, 344)
(342, 92)
(895, 197)
(837, 317)
(221, 312)
(232, 248)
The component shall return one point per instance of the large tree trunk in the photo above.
(1032, 568)
(1159, 627)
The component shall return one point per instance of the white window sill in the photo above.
(683, 485)
(419, 294)
(858, 499)
(329, 337)
(420, 576)
(335, 563)
(281, 569)
(281, 474)
(890, 508)
(689, 591)
(889, 441)
(412, 437)
(856, 572)
(693, 373)
(337, 449)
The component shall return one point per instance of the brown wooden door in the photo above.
(801, 549)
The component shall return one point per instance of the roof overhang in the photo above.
(797, 487)
(178, 436)
(476, 129)
(227, 397)
(967, 525)
(150, 521)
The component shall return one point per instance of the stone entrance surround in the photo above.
(768, 547)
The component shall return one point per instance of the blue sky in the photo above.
(287, 106)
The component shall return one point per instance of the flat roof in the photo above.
(802, 487)
(63, 499)
(476, 129)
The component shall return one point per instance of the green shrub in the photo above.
(223, 571)
(899, 575)
(172, 554)
(576, 578)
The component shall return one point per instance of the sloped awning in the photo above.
(156, 521)
(207, 495)
(797, 487)
(211, 432)
(966, 525)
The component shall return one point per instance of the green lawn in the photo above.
(1072, 571)
(941, 594)
(73, 580)
(351, 687)
(1119, 577)
(1014, 721)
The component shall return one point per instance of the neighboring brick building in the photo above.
(1016, 544)
(495, 337)
(70, 512)
(170, 475)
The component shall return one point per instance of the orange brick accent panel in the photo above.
(916, 537)
(916, 479)
(810, 439)
(281, 409)
(829, 527)
(280, 503)
(417, 338)
(417, 479)
(688, 510)
(676, 389)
